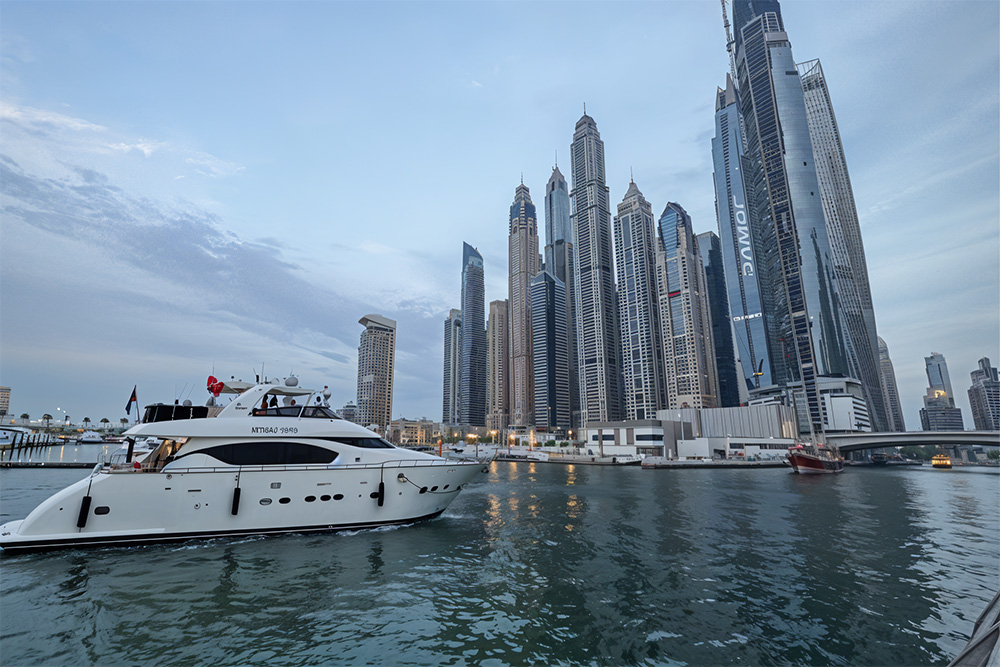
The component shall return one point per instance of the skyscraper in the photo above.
(498, 362)
(644, 391)
(844, 231)
(889, 389)
(743, 273)
(984, 397)
(786, 212)
(452, 368)
(472, 392)
(549, 352)
(559, 261)
(939, 412)
(598, 349)
(376, 358)
(710, 249)
(523, 261)
(688, 352)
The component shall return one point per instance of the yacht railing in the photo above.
(394, 464)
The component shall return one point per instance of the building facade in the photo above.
(844, 231)
(4, 401)
(805, 330)
(376, 361)
(688, 351)
(939, 412)
(710, 248)
(523, 264)
(559, 262)
(643, 382)
(452, 367)
(597, 330)
(984, 397)
(550, 353)
(498, 362)
(894, 410)
(743, 273)
(472, 388)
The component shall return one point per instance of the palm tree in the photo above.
(25, 417)
(86, 422)
(48, 418)
(124, 421)
(105, 421)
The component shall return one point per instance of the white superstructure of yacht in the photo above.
(263, 464)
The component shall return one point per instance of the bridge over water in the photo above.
(849, 442)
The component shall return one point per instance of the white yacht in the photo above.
(90, 438)
(251, 467)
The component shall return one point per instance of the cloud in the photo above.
(476, 84)
(38, 120)
(144, 147)
(210, 165)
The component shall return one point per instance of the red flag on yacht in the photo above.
(131, 400)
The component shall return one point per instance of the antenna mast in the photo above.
(729, 40)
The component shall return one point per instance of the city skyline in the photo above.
(117, 283)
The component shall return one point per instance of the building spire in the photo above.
(522, 178)
(631, 178)
(557, 159)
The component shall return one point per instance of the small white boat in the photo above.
(254, 468)
(90, 438)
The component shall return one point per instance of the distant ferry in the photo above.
(941, 461)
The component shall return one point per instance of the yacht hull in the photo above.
(112, 507)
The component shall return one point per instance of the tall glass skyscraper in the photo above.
(984, 397)
(710, 249)
(844, 231)
(559, 250)
(551, 355)
(598, 348)
(939, 412)
(740, 244)
(452, 368)
(688, 352)
(644, 391)
(786, 205)
(523, 262)
(472, 406)
(889, 389)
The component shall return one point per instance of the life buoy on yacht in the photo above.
(214, 385)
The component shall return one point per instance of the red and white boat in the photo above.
(815, 459)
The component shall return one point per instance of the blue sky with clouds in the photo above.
(189, 186)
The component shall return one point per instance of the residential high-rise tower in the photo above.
(984, 397)
(549, 353)
(710, 248)
(559, 262)
(376, 359)
(452, 368)
(939, 412)
(643, 385)
(472, 405)
(688, 352)
(889, 389)
(597, 331)
(844, 231)
(523, 262)
(498, 361)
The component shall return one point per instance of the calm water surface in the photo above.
(543, 564)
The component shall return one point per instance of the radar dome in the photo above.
(291, 381)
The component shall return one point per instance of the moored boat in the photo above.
(815, 459)
(90, 438)
(255, 467)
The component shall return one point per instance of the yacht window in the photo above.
(307, 412)
(270, 453)
(367, 443)
(164, 453)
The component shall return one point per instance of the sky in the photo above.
(195, 188)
